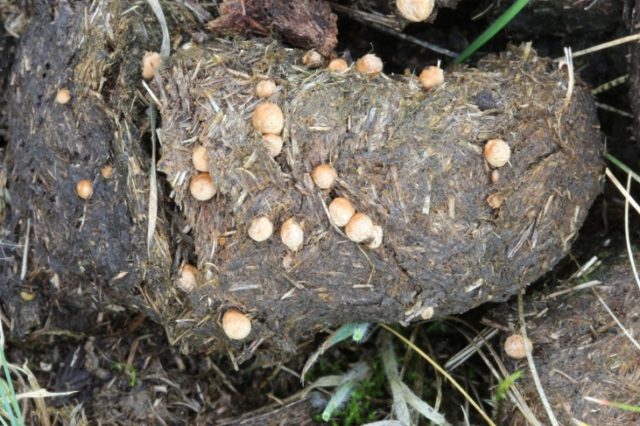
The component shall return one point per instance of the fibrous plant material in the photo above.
(307, 24)
(580, 352)
(634, 92)
(410, 159)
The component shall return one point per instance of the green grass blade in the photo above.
(619, 405)
(622, 166)
(8, 394)
(499, 24)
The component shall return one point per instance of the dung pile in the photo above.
(456, 232)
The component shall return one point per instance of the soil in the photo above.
(99, 313)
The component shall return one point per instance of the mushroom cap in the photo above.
(359, 228)
(431, 77)
(341, 211)
(517, 346)
(151, 61)
(415, 10)
(376, 239)
(236, 325)
(260, 229)
(187, 278)
(63, 96)
(266, 88)
(292, 235)
(324, 176)
(497, 152)
(200, 158)
(268, 118)
(312, 59)
(202, 187)
(369, 64)
(338, 65)
(84, 189)
(273, 144)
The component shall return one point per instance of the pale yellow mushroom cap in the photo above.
(359, 228)
(338, 65)
(187, 278)
(260, 228)
(341, 211)
(63, 96)
(517, 346)
(202, 187)
(273, 144)
(324, 176)
(200, 159)
(497, 152)
(376, 239)
(369, 64)
(415, 10)
(292, 235)
(151, 62)
(84, 189)
(236, 325)
(312, 59)
(266, 88)
(431, 77)
(268, 118)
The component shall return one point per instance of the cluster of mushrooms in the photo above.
(268, 121)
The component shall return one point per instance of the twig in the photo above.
(615, 318)
(25, 252)
(620, 188)
(603, 46)
(626, 234)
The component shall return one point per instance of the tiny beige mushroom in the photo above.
(497, 152)
(266, 88)
(312, 59)
(324, 176)
(517, 346)
(268, 118)
(200, 159)
(63, 96)
(187, 277)
(431, 77)
(359, 228)
(415, 10)
(260, 229)
(84, 189)
(151, 62)
(369, 64)
(236, 325)
(338, 65)
(202, 187)
(273, 144)
(341, 211)
(376, 239)
(292, 235)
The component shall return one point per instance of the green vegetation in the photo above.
(499, 24)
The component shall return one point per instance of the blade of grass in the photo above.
(10, 401)
(440, 370)
(627, 237)
(499, 24)
(619, 405)
(622, 166)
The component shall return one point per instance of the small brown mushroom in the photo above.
(517, 346)
(187, 277)
(497, 152)
(369, 64)
(202, 187)
(260, 229)
(268, 118)
(151, 62)
(341, 211)
(292, 235)
(324, 176)
(63, 96)
(359, 228)
(84, 189)
(236, 325)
